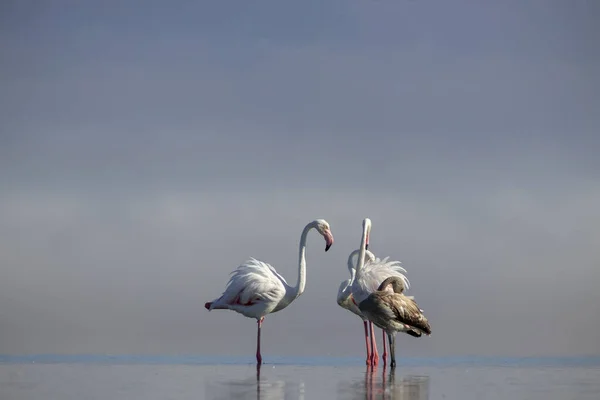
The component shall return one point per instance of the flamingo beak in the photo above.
(328, 240)
(367, 244)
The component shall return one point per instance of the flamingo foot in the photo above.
(375, 359)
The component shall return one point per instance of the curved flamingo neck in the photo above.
(368, 256)
(299, 288)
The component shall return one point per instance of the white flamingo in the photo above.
(374, 272)
(256, 289)
(345, 299)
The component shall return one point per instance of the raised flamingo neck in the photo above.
(363, 247)
(299, 288)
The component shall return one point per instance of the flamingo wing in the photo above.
(396, 311)
(408, 311)
(375, 272)
(254, 288)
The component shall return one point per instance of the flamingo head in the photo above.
(343, 295)
(323, 228)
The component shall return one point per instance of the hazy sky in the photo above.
(147, 148)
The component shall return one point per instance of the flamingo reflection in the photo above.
(410, 387)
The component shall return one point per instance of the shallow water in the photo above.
(148, 378)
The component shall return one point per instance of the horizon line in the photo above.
(193, 359)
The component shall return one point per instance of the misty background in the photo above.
(147, 148)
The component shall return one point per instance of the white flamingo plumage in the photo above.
(256, 289)
(373, 273)
(344, 296)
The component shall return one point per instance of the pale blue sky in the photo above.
(149, 147)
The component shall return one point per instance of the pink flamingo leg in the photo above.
(258, 356)
(367, 342)
(385, 354)
(374, 353)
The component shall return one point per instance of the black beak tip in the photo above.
(367, 246)
(327, 247)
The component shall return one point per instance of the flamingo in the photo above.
(394, 312)
(362, 287)
(374, 272)
(345, 300)
(256, 289)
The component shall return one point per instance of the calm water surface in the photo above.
(148, 378)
